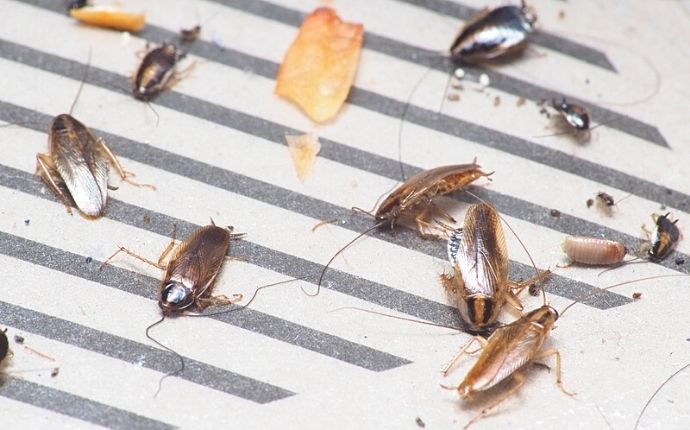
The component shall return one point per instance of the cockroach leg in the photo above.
(462, 352)
(443, 212)
(125, 175)
(221, 300)
(132, 254)
(168, 248)
(422, 222)
(518, 287)
(548, 353)
(45, 167)
(518, 380)
(178, 76)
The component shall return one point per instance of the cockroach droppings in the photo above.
(533, 290)
(636, 296)
(420, 423)
(55, 372)
(680, 261)
(88, 260)
(18, 338)
(590, 202)
(555, 213)
(27, 221)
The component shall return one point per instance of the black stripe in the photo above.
(132, 352)
(373, 101)
(342, 282)
(248, 319)
(77, 407)
(543, 38)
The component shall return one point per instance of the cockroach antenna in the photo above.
(179, 357)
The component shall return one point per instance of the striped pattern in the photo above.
(219, 152)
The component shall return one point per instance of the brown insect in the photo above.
(76, 168)
(479, 256)
(414, 200)
(494, 33)
(191, 269)
(666, 236)
(511, 348)
(156, 71)
(593, 251)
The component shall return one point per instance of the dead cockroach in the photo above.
(156, 71)
(666, 236)
(574, 120)
(511, 348)
(480, 281)
(190, 35)
(191, 269)
(76, 168)
(494, 33)
(414, 200)
(593, 251)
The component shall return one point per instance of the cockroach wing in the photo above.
(197, 260)
(482, 256)
(81, 163)
(508, 349)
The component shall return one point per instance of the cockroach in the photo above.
(156, 71)
(494, 33)
(605, 202)
(190, 35)
(414, 200)
(191, 269)
(593, 251)
(575, 115)
(480, 281)
(76, 168)
(666, 236)
(511, 348)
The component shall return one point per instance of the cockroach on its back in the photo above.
(156, 71)
(594, 251)
(191, 270)
(494, 33)
(76, 168)
(480, 281)
(666, 236)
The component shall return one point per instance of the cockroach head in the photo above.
(529, 14)
(175, 297)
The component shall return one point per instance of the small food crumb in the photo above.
(555, 213)
(453, 97)
(18, 338)
(636, 296)
(484, 80)
(303, 150)
(459, 73)
(590, 202)
(497, 101)
(520, 101)
(420, 423)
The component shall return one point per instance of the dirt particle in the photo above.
(453, 97)
(420, 423)
(55, 372)
(680, 260)
(18, 338)
(555, 213)
(520, 101)
(636, 296)
(590, 202)
(497, 101)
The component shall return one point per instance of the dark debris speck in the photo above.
(555, 213)
(680, 260)
(55, 372)
(27, 221)
(18, 339)
(420, 423)
(89, 260)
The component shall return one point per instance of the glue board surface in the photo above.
(214, 146)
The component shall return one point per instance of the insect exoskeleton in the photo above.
(494, 33)
(156, 71)
(572, 119)
(666, 236)
(479, 256)
(77, 166)
(414, 198)
(191, 270)
(593, 251)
